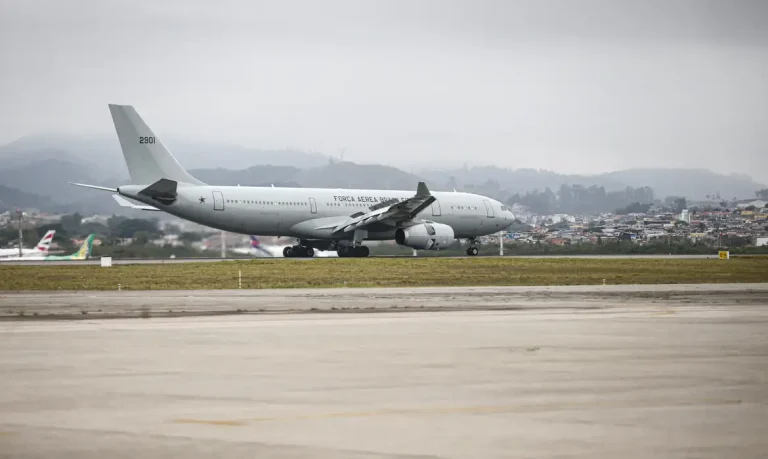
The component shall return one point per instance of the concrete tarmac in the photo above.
(173, 303)
(684, 375)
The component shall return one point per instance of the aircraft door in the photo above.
(218, 200)
(488, 209)
(312, 205)
(436, 209)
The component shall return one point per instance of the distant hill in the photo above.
(331, 175)
(103, 154)
(49, 178)
(11, 199)
(194, 155)
(511, 180)
(351, 175)
(691, 183)
(253, 176)
(99, 155)
(43, 164)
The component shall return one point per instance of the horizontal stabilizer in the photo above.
(163, 190)
(126, 203)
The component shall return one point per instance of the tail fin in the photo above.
(147, 158)
(85, 249)
(45, 243)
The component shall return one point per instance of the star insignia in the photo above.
(202, 200)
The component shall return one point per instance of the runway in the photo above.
(144, 261)
(175, 303)
(634, 373)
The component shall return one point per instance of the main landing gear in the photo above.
(472, 251)
(298, 251)
(360, 251)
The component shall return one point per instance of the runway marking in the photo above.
(213, 422)
(479, 409)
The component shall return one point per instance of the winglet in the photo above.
(422, 190)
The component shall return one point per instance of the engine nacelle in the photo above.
(426, 236)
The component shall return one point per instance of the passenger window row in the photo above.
(266, 203)
(344, 204)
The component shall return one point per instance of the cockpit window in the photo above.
(503, 208)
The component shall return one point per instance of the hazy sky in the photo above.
(571, 86)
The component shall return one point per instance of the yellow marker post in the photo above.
(724, 255)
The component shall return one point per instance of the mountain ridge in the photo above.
(43, 165)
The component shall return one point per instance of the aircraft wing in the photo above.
(391, 213)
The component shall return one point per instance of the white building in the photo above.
(685, 216)
(758, 203)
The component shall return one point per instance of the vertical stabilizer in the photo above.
(45, 243)
(147, 158)
(82, 254)
(85, 250)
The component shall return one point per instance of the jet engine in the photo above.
(427, 236)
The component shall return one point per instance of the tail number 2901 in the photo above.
(146, 140)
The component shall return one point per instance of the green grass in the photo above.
(382, 272)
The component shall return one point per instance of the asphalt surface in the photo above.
(681, 375)
(143, 261)
(174, 303)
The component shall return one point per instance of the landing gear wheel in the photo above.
(287, 252)
(472, 251)
(309, 252)
(356, 252)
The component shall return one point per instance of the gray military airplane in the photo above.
(320, 218)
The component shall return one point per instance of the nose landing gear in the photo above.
(472, 251)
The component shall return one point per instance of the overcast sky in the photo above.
(571, 86)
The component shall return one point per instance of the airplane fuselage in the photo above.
(299, 212)
(15, 253)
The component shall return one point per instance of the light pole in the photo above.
(20, 214)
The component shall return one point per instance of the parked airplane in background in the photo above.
(321, 218)
(258, 249)
(40, 250)
(82, 254)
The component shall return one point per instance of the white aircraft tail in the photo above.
(45, 243)
(147, 158)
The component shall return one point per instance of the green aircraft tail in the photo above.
(83, 254)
